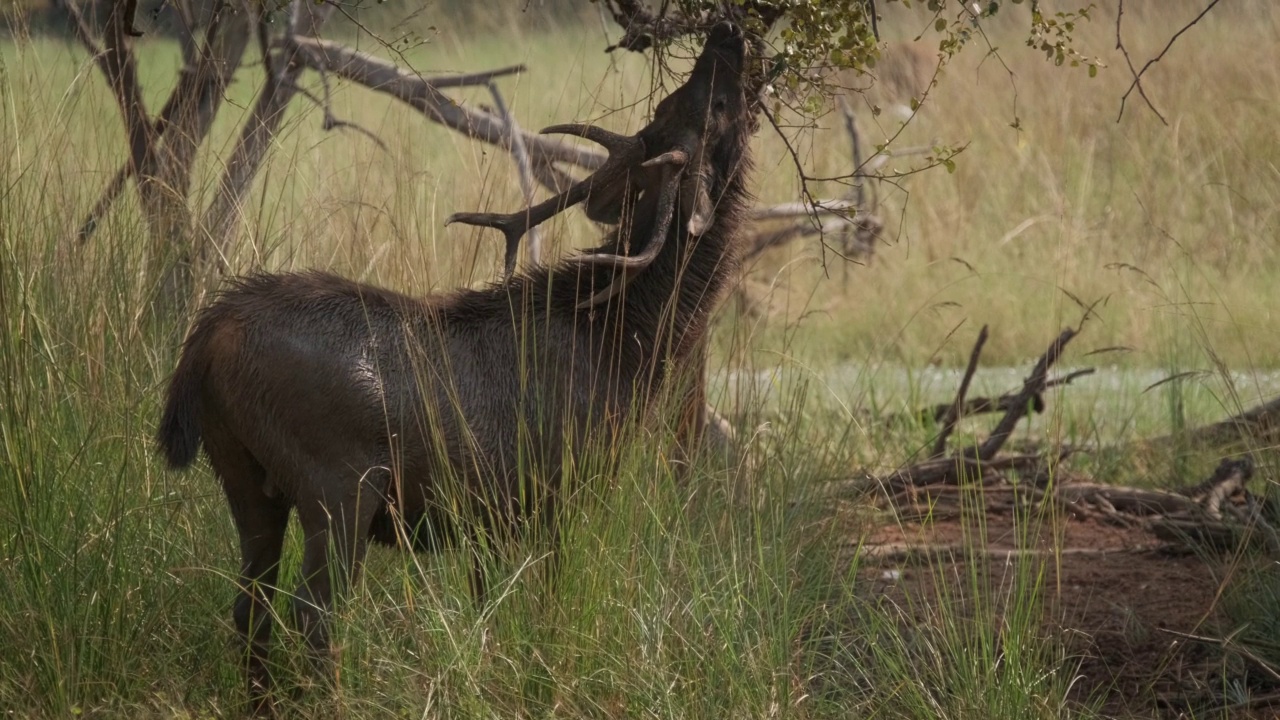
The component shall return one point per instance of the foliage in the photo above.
(814, 39)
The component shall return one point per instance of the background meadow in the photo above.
(732, 595)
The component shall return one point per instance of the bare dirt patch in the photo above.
(1121, 600)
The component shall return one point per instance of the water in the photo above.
(1112, 402)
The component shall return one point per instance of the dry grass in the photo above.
(125, 612)
(1172, 228)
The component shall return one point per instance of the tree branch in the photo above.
(268, 112)
(424, 95)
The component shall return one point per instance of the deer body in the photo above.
(376, 415)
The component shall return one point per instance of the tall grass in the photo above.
(713, 596)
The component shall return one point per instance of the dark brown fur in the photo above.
(362, 408)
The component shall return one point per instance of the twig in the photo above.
(1137, 76)
(873, 164)
(641, 29)
(1228, 644)
(953, 413)
(851, 127)
(331, 121)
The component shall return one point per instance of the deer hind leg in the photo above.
(336, 513)
(261, 521)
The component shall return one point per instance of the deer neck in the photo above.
(668, 304)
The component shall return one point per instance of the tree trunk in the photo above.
(218, 223)
(203, 87)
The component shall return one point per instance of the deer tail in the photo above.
(179, 434)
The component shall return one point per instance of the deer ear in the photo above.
(701, 212)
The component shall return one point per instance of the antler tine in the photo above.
(515, 225)
(512, 225)
(629, 265)
(670, 157)
(612, 141)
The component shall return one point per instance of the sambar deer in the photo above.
(376, 415)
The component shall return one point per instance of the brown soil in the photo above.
(1115, 593)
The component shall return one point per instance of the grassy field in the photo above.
(732, 595)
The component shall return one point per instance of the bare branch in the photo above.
(851, 127)
(812, 208)
(331, 121)
(953, 411)
(422, 94)
(1031, 389)
(1137, 75)
(255, 138)
(485, 77)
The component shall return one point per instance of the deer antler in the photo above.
(624, 152)
(672, 163)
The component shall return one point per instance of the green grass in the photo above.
(722, 596)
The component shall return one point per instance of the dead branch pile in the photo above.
(1219, 513)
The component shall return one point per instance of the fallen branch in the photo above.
(980, 461)
(1003, 403)
(1257, 424)
(1140, 502)
(925, 553)
(1034, 385)
(765, 240)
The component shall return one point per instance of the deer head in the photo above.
(681, 158)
